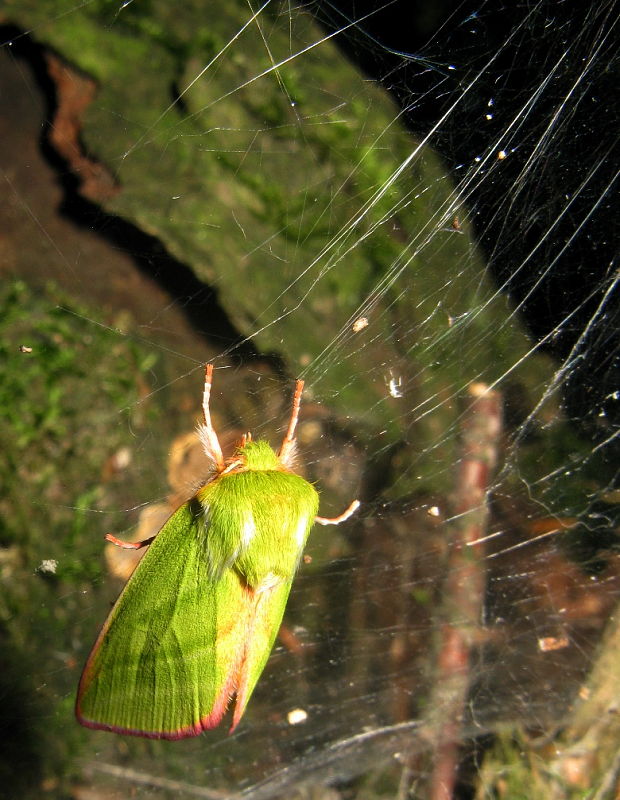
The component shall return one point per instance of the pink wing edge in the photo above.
(235, 685)
(212, 720)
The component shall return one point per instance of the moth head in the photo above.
(249, 455)
(256, 455)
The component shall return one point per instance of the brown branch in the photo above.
(463, 591)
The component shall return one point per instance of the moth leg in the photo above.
(288, 444)
(341, 518)
(128, 545)
(207, 433)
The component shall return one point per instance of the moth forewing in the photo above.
(196, 622)
(268, 613)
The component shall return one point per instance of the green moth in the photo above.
(196, 622)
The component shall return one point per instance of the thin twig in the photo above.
(144, 779)
(463, 591)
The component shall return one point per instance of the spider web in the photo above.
(411, 209)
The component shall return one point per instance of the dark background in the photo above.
(561, 57)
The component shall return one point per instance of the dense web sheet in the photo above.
(410, 208)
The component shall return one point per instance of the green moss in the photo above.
(62, 423)
(515, 770)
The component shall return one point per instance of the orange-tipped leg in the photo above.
(128, 545)
(341, 518)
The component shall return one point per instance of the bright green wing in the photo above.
(197, 620)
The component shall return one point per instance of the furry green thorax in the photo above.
(258, 455)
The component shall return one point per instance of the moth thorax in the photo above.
(259, 455)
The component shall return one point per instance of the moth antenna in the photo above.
(290, 456)
(289, 440)
(208, 435)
